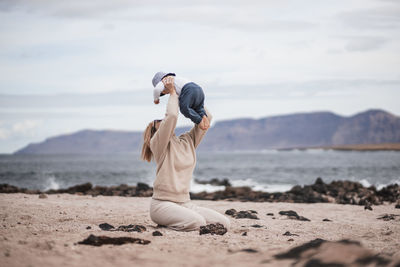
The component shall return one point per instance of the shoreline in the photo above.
(340, 192)
(45, 231)
(354, 147)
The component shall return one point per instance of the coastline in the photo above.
(45, 231)
(355, 147)
(340, 192)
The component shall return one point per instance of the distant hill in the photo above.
(316, 129)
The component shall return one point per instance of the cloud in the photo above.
(20, 128)
(239, 15)
(379, 18)
(364, 43)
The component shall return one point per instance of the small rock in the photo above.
(217, 229)
(157, 233)
(290, 234)
(256, 226)
(106, 226)
(367, 207)
(291, 239)
(88, 227)
(293, 215)
(270, 214)
(131, 228)
(244, 234)
(388, 233)
(42, 195)
(249, 250)
(397, 206)
(326, 220)
(230, 212)
(250, 214)
(388, 217)
(105, 240)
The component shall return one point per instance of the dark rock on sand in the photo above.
(290, 234)
(42, 195)
(270, 214)
(106, 226)
(123, 228)
(367, 207)
(397, 206)
(256, 226)
(244, 234)
(341, 192)
(131, 228)
(250, 214)
(249, 250)
(157, 233)
(8, 189)
(214, 181)
(89, 227)
(81, 188)
(293, 215)
(230, 212)
(388, 217)
(105, 240)
(214, 229)
(341, 253)
(326, 220)
(143, 190)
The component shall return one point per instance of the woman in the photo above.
(176, 159)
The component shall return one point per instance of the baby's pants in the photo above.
(191, 102)
(184, 216)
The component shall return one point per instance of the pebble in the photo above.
(157, 233)
(42, 195)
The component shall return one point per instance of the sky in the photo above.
(71, 65)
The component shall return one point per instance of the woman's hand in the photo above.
(169, 84)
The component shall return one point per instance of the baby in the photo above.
(191, 97)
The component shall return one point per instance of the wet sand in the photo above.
(45, 232)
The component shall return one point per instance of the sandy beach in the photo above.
(46, 231)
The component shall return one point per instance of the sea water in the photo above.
(270, 170)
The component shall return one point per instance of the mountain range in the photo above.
(300, 130)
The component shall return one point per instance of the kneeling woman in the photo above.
(176, 159)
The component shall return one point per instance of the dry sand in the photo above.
(44, 232)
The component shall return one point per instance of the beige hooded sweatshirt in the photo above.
(175, 156)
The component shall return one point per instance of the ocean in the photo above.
(270, 171)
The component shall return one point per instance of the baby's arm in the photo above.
(157, 91)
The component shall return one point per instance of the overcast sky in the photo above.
(72, 65)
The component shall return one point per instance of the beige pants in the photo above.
(184, 216)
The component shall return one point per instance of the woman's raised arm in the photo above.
(197, 134)
(166, 130)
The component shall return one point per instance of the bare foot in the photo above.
(202, 124)
(206, 122)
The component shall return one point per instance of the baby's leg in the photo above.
(187, 100)
(198, 106)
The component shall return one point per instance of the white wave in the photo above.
(255, 186)
(270, 188)
(197, 188)
(51, 183)
(365, 183)
(380, 186)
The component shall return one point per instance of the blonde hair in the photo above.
(147, 155)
